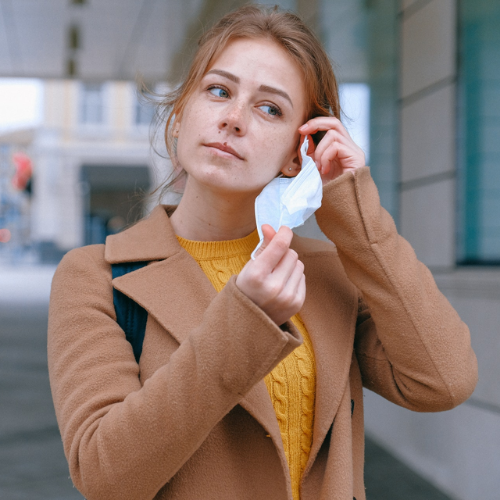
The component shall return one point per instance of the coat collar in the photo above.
(150, 239)
(330, 326)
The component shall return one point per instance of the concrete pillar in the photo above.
(427, 114)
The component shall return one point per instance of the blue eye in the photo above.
(271, 110)
(218, 92)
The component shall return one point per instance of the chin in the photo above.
(224, 181)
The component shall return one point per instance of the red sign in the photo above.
(24, 170)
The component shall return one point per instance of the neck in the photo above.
(206, 215)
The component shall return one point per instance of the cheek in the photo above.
(195, 116)
(279, 147)
(189, 133)
(188, 124)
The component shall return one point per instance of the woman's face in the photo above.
(239, 128)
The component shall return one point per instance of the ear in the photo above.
(175, 130)
(292, 168)
(176, 127)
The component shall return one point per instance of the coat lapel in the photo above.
(162, 287)
(329, 313)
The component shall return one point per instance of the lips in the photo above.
(224, 147)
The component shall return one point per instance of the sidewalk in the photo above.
(25, 284)
(32, 462)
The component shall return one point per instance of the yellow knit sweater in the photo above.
(292, 383)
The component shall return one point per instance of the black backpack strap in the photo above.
(130, 315)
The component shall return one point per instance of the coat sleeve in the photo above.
(412, 346)
(121, 439)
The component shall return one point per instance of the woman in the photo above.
(247, 386)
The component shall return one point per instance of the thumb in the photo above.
(268, 232)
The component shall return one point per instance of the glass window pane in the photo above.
(479, 132)
(92, 104)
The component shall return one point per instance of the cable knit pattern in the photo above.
(292, 383)
(305, 363)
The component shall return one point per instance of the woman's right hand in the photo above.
(275, 280)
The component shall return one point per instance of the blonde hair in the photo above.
(256, 21)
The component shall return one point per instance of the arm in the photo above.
(126, 441)
(411, 345)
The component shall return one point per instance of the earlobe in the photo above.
(292, 168)
(176, 127)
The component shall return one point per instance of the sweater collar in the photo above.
(209, 250)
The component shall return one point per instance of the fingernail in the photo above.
(302, 127)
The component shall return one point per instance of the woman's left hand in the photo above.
(336, 153)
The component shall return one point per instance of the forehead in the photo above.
(261, 61)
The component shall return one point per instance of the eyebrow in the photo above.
(262, 88)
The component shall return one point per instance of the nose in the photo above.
(233, 120)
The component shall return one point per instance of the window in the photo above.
(144, 112)
(145, 105)
(355, 105)
(479, 133)
(92, 104)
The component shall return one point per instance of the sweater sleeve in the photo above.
(124, 440)
(412, 346)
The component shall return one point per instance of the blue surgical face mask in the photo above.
(289, 201)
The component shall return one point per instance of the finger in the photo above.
(268, 233)
(300, 292)
(274, 251)
(282, 272)
(330, 154)
(295, 278)
(294, 290)
(331, 137)
(324, 123)
(338, 153)
(320, 123)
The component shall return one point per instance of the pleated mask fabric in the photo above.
(289, 201)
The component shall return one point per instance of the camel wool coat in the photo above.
(194, 419)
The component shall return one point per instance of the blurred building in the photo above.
(93, 165)
(92, 157)
(430, 70)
